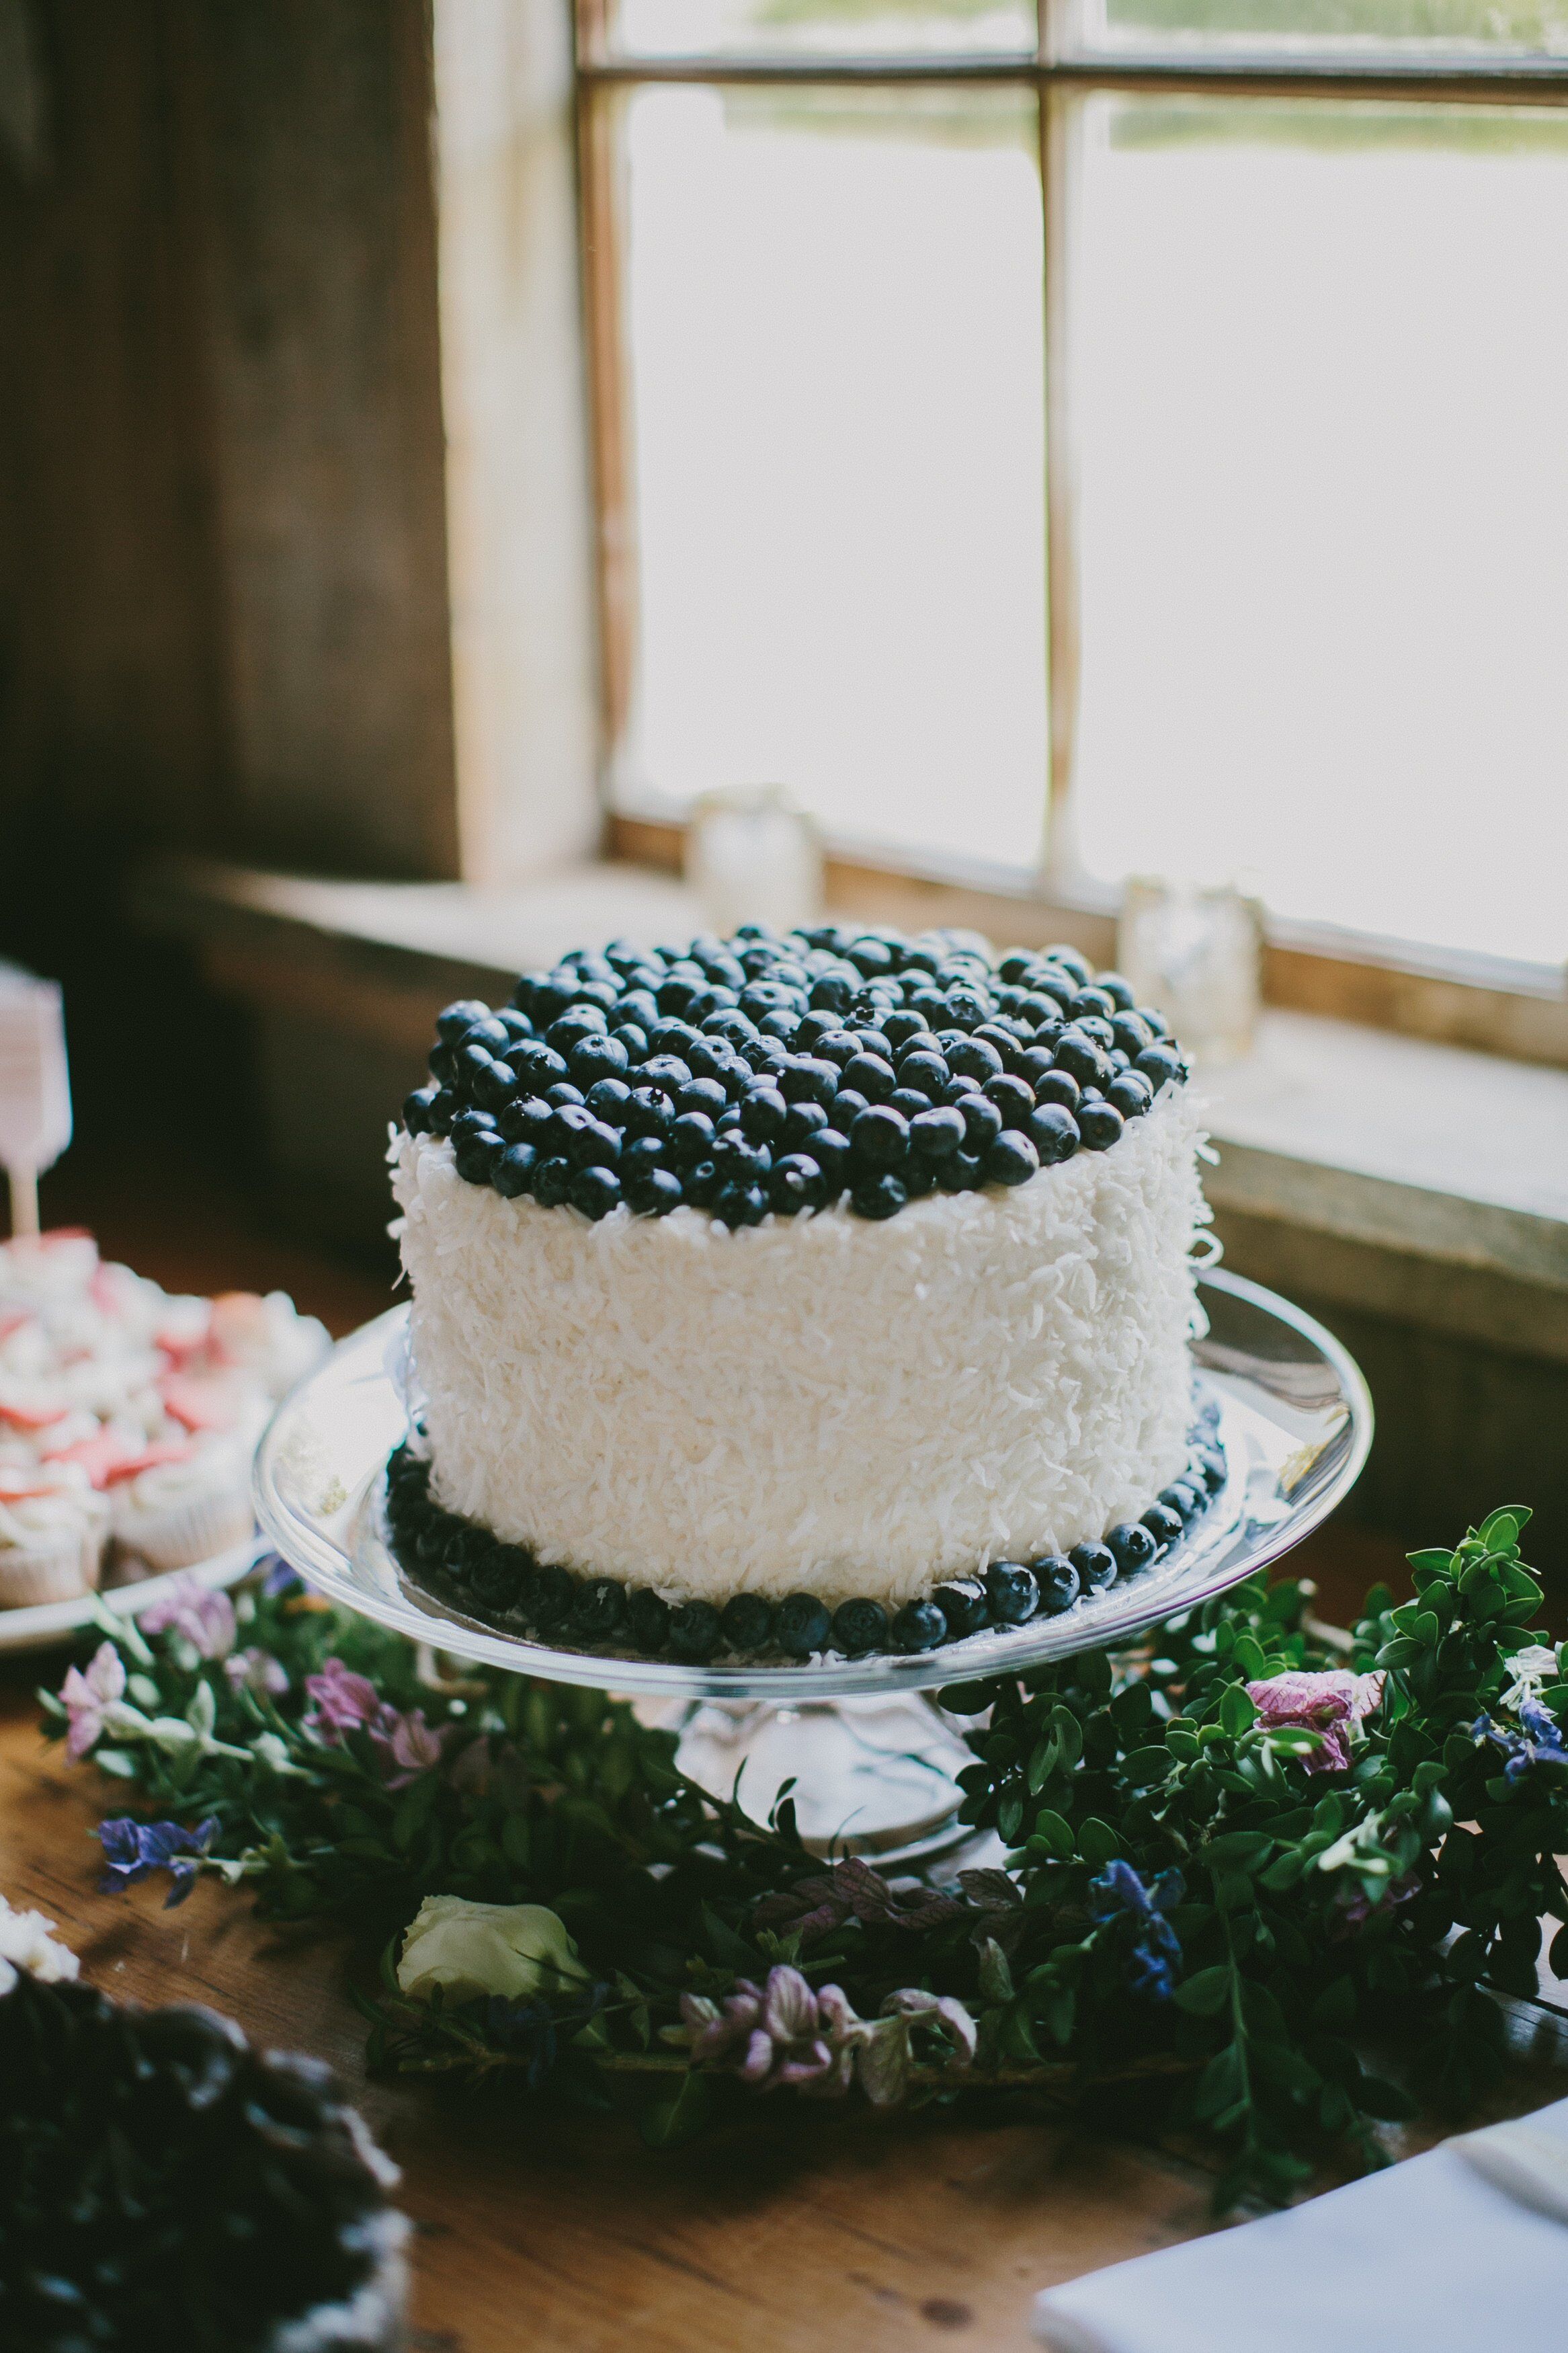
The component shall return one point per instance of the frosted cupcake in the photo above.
(267, 1340)
(52, 1531)
(176, 1513)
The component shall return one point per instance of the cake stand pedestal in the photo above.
(870, 1754)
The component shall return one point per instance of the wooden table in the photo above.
(800, 2228)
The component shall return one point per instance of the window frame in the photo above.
(1448, 994)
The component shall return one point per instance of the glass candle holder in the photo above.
(1194, 950)
(754, 857)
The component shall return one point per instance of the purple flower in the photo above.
(257, 1671)
(132, 1850)
(340, 1700)
(205, 1618)
(782, 2034)
(853, 1890)
(279, 1579)
(407, 1741)
(1154, 1945)
(1332, 1703)
(87, 1698)
(1539, 1740)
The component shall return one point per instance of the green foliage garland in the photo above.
(1211, 1908)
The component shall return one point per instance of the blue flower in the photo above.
(533, 2027)
(1154, 1947)
(132, 1850)
(281, 1578)
(1538, 1742)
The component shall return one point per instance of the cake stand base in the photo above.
(872, 1777)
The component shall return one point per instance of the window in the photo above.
(1127, 442)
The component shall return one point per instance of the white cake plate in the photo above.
(871, 1756)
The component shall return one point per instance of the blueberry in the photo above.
(668, 1072)
(738, 1204)
(442, 1063)
(595, 1191)
(814, 1027)
(691, 1139)
(589, 1144)
(965, 1604)
(595, 1058)
(669, 1037)
(1060, 1089)
(547, 1598)
(1162, 1524)
(928, 1074)
(964, 1173)
(879, 1197)
(647, 1112)
(804, 1625)
(1120, 992)
(1059, 1582)
(1014, 1098)
(1159, 1064)
(1132, 1034)
(835, 1046)
(566, 1092)
(900, 1029)
(1081, 1058)
(858, 1627)
(477, 1156)
(501, 1578)
(472, 1123)
(552, 1180)
(564, 1036)
(766, 1115)
(967, 1007)
(919, 1626)
(802, 1122)
(847, 1106)
(454, 1019)
(973, 1058)
(796, 1183)
(704, 1095)
(514, 1171)
(489, 1034)
(648, 1619)
(806, 1077)
(1100, 1124)
(830, 1150)
(1054, 1132)
(700, 1184)
(1131, 1546)
(1015, 966)
(417, 1110)
(747, 1620)
(1209, 1464)
(834, 992)
(526, 1120)
(878, 1139)
(870, 1076)
(1130, 1095)
(652, 1192)
(694, 1631)
(641, 1154)
(938, 1134)
(538, 1067)
(982, 1122)
(1153, 1021)
(599, 1609)
(1012, 1159)
(1181, 1499)
(1035, 1066)
(1091, 1001)
(468, 1064)
(1011, 1592)
(1095, 1564)
(608, 1100)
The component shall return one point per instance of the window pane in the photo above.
(660, 28)
(1534, 26)
(1319, 379)
(835, 328)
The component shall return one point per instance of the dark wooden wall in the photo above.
(222, 583)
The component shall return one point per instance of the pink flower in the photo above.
(86, 1697)
(205, 1618)
(1332, 1702)
(257, 1671)
(413, 1744)
(343, 1700)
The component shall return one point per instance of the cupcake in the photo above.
(177, 1513)
(267, 1340)
(52, 1530)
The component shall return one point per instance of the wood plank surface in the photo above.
(799, 2228)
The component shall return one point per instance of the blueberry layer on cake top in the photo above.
(767, 1072)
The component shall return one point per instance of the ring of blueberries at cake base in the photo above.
(503, 1583)
(767, 1074)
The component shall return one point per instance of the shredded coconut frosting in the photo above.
(821, 1403)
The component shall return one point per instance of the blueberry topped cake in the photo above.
(830, 1291)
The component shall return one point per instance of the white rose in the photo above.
(514, 1949)
(26, 1944)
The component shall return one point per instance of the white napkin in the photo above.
(1454, 2251)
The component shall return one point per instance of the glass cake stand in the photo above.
(872, 1756)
